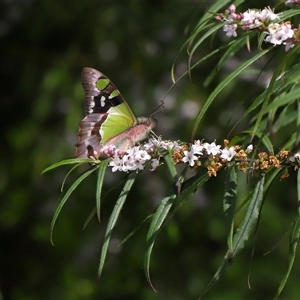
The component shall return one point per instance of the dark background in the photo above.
(44, 46)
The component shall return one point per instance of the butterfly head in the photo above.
(150, 122)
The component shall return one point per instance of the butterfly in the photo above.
(108, 118)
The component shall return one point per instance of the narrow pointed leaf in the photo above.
(69, 162)
(251, 218)
(202, 39)
(113, 219)
(100, 178)
(64, 181)
(242, 234)
(294, 237)
(158, 218)
(89, 218)
(264, 139)
(135, 230)
(221, 86)
(169, 162)
(229, 202)
(66, 197)
(232, 49)
(272, 85)
(188, 189)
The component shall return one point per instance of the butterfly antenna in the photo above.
(158, 108)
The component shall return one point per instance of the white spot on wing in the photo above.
(102, 99)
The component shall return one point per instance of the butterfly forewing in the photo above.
(107, 113)
(100, 93)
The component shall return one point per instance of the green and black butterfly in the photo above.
(109, 119)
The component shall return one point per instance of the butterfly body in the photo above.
(109, 120)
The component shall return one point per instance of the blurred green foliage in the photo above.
(44, 46)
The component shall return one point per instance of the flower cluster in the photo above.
(209, 154)
(137, 157)
(198, 154)
(261, 20)
(292, 2)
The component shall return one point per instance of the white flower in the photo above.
(197, 147)
(268, 13)
(228, 154)
(288, 45)
(292, 2)
(249, 16)
(116, 163)
(135, 158)
(273, 28)
(168, 145)
(232, 8)
(212, 148)
(108, 150)
(279, 33)
(154, 164)
(142, 155)
(230, 30)
(295, 157)
(189, 157)
(249, 148)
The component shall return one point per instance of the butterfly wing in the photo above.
(107, 113)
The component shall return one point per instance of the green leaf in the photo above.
(187, 190)
(134, 231)
(100, 178)
(251, 218)
(203, 37)
(287, 14)
(242, 234)
(113, 219)
(272, 85)
(233, 47)
(64, 181)
(221, 86)
(290, 76)
(158, 218)
(169, 162)
(80, 161)
(89, 218)
(66, 197)
(294, 237)
(229, 202)
(283, 99)
(264, 139)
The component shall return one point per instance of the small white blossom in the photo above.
(197, 147)
(228, 154)
(268, 13)
(154, 164)
(108, 150)
(189, 157)
(295, 157)
(116, 163)
(249, 149)
(278, 33)
(292, 2)
(212, 148)
(230, 30)
(168, 145)
(249, 16)
(288, 45)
